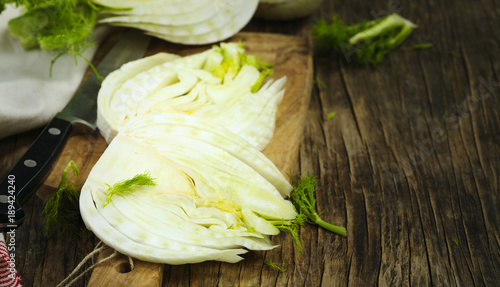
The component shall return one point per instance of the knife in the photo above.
(34, 166)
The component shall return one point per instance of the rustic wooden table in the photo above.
(410, 164)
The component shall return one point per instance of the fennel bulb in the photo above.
(184, 22)
(222, 85)
(214, 195)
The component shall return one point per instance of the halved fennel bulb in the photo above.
(214, 197)
(222, 85)
(185, 22)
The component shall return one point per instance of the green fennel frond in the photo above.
(304, 201)
(274, 266)
(61, 26)
(57, 217)
(292, 227)
(422, 46)
(303, 198)
(129, 186)
(320, 84)
(330, 116)
(367, 42)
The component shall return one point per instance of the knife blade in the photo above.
(33, 167)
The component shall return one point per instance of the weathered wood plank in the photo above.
(410, 164)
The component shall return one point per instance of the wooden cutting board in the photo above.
(292, 57)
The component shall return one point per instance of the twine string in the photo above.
(97, 249)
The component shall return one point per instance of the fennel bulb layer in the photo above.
(185, 22)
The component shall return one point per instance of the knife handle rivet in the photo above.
(30, 163)
(54, 131)
(4, 199)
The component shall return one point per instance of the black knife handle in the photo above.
(30, 172)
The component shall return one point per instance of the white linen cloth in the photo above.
(29, 96)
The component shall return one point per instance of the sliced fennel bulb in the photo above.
(185, 22)
(214, 197)
(221, 84)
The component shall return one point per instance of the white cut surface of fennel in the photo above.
(214, 196)
(215, 85)
(185, 22)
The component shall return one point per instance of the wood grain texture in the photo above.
(410, 155)
(410, 164)
(119, 272)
